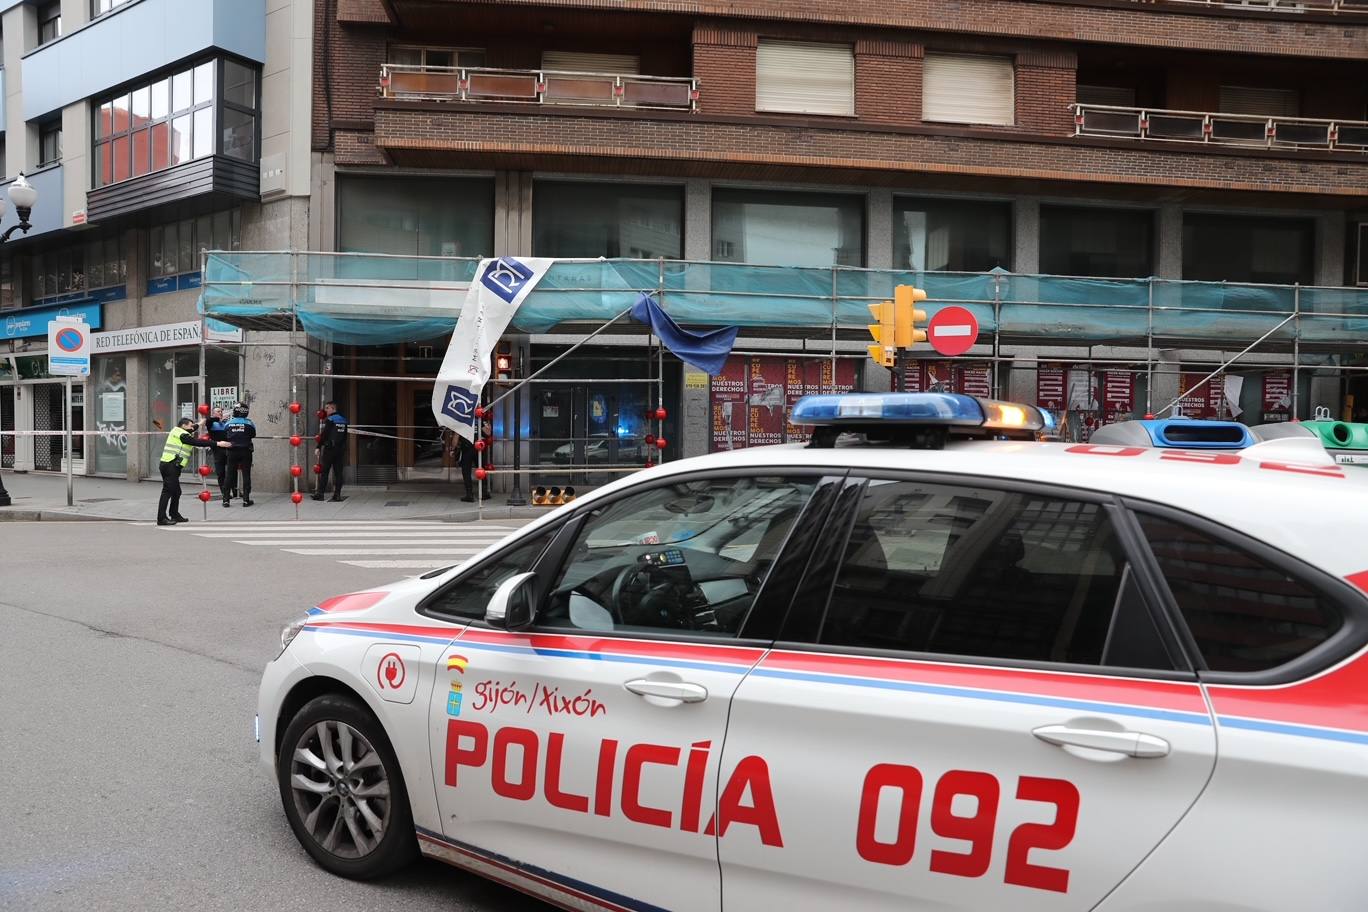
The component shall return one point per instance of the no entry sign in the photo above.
(952, 331)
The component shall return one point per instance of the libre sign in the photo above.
(68, 348)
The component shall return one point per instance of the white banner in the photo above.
(500, 287)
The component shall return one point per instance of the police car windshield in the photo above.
(711, 516)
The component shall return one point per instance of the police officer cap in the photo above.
(240, 410)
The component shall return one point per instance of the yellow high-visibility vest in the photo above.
(176, 446)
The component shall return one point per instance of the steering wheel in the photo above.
(620, 583)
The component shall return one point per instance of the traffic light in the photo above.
(884, 333)
(906, 316)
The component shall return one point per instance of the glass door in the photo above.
(186, 406)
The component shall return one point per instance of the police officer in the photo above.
(331, 451)
(175, 455)
(468, 457)
(217, 434)
(238, 432)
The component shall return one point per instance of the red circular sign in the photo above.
(952, 331)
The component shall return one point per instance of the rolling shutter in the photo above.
(800, 78)
(959, 88)
(575, 62)
(1259, 102)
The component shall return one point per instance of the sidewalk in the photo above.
(42, 496)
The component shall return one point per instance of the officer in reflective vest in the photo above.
(238, 432)
(175, 455)
(331, 451)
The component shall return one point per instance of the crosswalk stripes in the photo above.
(374, 544)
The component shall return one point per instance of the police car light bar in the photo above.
(917, 418)
(1176, 433)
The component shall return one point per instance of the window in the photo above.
(977, 572)
(49, 22)
(577, 62)
(469, 595)
(415, 216)
(688, 556)
(79, 268)
(100, 7)
(410, 55)
(1259, 102)
(1244, 614)
(7, 299)
(960, 88)
(1111, 96)
(178, 248)
(951, 235)
(799, 78)
(611, 220)
(171, 120)
(777, 228)
(50, 141)
(1108, 243)
(1232, 248)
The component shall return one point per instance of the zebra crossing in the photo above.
(415, 545)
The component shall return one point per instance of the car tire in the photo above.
(343, 791)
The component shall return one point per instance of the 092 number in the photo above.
(977, 829)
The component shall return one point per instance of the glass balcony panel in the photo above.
(590, 89)
(1175, 126)
(500, 85)
(1238, 131)
(424, 83)
(1113, 123)
(656, 94)
(1353, 136)
(1302, 134)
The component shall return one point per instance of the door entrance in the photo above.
(421, 455)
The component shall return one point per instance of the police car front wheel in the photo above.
(343, 791)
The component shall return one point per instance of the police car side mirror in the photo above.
(511, 605)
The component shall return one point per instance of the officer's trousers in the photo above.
(331, 459)
(168, 505)
(240, 461)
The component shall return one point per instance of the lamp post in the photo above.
(24, 198)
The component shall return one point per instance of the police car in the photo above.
(925, 661)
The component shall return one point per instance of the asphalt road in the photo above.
(129, 664)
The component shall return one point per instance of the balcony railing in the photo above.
(1246, 130)
(1271, 6)
(552, 87)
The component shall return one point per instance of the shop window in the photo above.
(1225, 248)
(176, 250)
(610, 220)
(964, 88)
(803, 78)
(111, 415)
(951, 235)
(1110, 243)
(778, 228)
(49, 22)
(79, 270)
(449, 217)
(50, 141)
(172, 120)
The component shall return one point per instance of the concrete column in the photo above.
(76, 168)
(1330, 242)
(879, 233)
(136, 413)
(1026, 236)
(1169, 223)
(697, 220)
(513, 213)
(75, 13)
(1165, 380)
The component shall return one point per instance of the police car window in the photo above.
(688, 556)
(468, 595)
(976, 572)
(1244, 613)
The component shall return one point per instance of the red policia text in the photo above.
(747, 797)
(977, 829)
(1207, 458)
(493, 695)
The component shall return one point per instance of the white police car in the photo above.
(937, 669)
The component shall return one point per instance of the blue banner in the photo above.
(706, 351)
(29, 322)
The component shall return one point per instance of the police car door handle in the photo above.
(682, 691)
(1132, 744)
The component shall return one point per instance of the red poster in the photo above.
(802, 378)
(914, 376)
(1050, 387)
(1216, 397)
(1118, 391)
(754, 395)
(974, 380)
(1277, 396)
(766, 398)
(1197, 403)
(728, 397)
(938, 377)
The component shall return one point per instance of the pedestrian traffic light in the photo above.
(906, 316)
(884, 332)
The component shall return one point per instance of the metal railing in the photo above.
(1214, 128)
(552, 87)
(1270, 6)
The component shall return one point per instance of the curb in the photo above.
(9, 514)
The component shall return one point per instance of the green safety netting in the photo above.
(363, 299)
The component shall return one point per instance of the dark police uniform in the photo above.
(332, 455)
(175, 455)
(239, 432)
(216, 430)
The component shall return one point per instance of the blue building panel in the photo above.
(47, 215)
(136, 39)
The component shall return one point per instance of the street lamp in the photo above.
(24, 198)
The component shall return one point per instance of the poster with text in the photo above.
(727, 394)
(1277, 396)
(1050, 386)
(752, 398)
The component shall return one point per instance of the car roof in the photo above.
(1315, 511)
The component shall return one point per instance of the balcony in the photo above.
(1281, 7)
(405, 82)
(1208, 128)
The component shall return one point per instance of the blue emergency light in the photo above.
(921, 419)
(1176, 433)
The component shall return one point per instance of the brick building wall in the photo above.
(724, 64)
(888, 81)
(1045, 87)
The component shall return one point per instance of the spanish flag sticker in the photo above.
(457, 663)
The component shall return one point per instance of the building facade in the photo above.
(153, 130)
